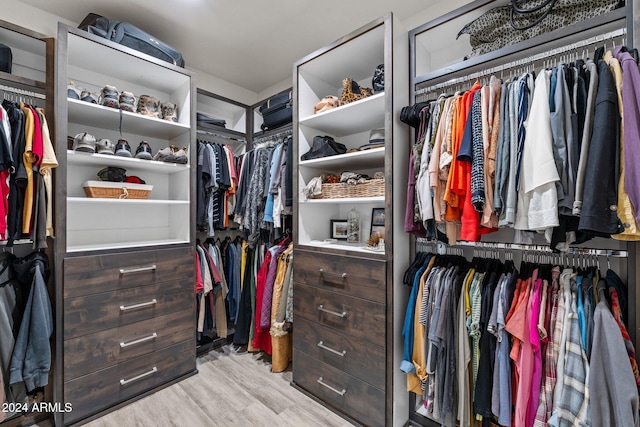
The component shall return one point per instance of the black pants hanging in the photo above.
(243, 323)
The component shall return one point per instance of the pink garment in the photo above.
(519, 327)
(536, 377)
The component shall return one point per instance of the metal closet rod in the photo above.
(22, 92)
(217, 135)
(274, 136)
(521, 62)
(530, 248)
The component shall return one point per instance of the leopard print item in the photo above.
(493, 30)
(149, 106)
(352, 91)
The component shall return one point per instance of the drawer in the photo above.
(95, 392)
(357, 399)
(94, 274)
(98, 312)
(355, 317)
(90, 353)
(361, 359)
(364, 278)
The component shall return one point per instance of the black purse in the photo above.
(324, 146)
(411, 114)
(378, 79)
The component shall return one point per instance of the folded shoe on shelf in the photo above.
(88, 96)
(144, 151)
(73, 91)
(109, 97)
(327, 103)
(169, 111)
(165, 155)
(122, 148)
(84, 142)
(181, 156)
(149, 106)
(105, 146)
(127, 101)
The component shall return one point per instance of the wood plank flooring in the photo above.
(231, 389)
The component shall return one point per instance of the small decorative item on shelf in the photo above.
(339, 229)
(377, 222)
(353, 220)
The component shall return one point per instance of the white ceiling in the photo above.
(251, 43)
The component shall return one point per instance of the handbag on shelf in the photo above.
(378, 79)
(324, 146)
(524, 19)
(352, 91)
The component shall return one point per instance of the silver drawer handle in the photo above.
(138, 341)
(324, 347)
(142, 304)
(335, 313)
(342, 275)
(137, 270)
(335, 390)
(139, 377)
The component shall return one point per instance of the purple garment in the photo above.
(534, 335)
(267, 297)
(631, 121)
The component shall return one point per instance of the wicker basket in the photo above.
(370, 188)
(116, 190)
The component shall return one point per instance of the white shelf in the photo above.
(360, 247)
(87, 159)
(98, 116)
(85, 200)
(355, 117)
(346, 200)
(358, 160)
(107, 246)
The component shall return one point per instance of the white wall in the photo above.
(35, 19)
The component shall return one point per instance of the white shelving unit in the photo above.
(96, 224)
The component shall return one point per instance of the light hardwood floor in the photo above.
(231, 389)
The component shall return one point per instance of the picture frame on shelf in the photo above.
(339, 229)
(377, 222)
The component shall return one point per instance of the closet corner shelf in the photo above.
(345, 200)
(355, 117)
(98, 116)
(102, 160)
(352, 161)
(85, 200)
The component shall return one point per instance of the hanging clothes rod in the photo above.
(274, 136)
(530, 248)
(526, 61)
(217, 135)
(21, 92)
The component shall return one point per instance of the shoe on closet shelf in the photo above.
(127, 101)
(169, 111)
(73, 91)
(144, 151)
(88, 96)
(105, 146)
(84, 142)
(149, 106)
(181, 156)
(122, 148)
(164, 155)
(109, 97)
